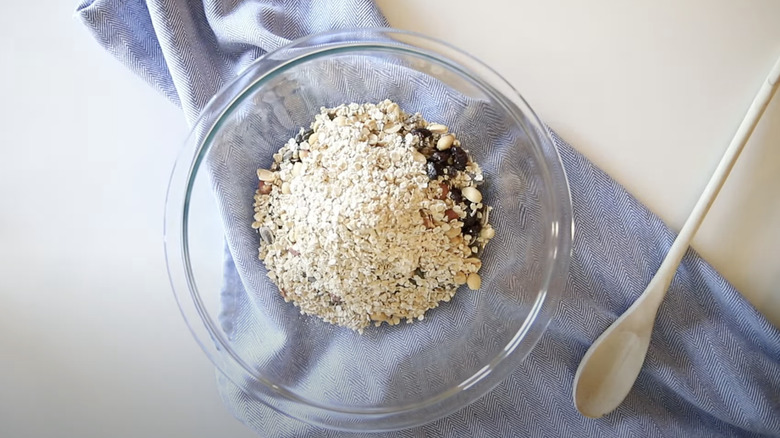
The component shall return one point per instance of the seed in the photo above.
(445, 142)
(437, 128)
(286, 188)
(313, 138)
(303, 136)
(297, 169)
(418, 157)
(487, 233)
(474, 281)
(472, 194)
(265, 234)
(265, 175)
(460, 278)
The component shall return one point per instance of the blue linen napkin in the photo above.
(712, 369)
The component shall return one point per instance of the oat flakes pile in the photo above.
(372, 215)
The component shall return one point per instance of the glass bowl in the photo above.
(387, 378)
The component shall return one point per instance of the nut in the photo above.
(437, 128)
(474, 261)
(380, 317)
(266, 175)
(451, 214)
(460, 278)
(472, 194)
(445, 142)
(487, 233)
(474, 281)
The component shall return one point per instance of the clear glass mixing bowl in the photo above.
(389, 377)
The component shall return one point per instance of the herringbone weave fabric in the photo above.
(713, 368)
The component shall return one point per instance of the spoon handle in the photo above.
(754, 113)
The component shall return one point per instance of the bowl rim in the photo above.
(202, 325)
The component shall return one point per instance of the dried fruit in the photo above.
(459, 158)
(264, 188)
(421, 132)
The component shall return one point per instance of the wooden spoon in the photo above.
(611, 365)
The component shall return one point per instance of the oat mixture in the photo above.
(371, 215)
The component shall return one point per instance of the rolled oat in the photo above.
(372, 215)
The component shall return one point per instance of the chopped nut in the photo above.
(460, 278)
(266, 175)
(474, 281)
(437, 128)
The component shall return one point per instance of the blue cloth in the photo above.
(714, 362)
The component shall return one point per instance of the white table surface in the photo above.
(91, 340)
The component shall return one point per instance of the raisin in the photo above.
(459, 158)
(456, 195)
(440, 157)
(421, 132)
(473, 229)
(470, 220)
